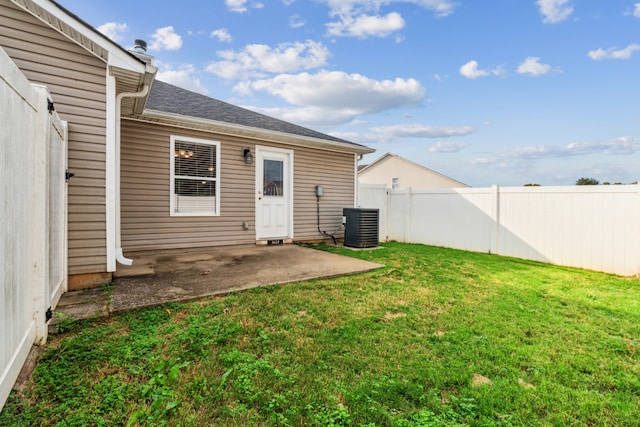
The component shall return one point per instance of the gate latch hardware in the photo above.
(48, 315)
(68, 175)
(50, 106)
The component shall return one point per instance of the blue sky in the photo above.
(502, 92)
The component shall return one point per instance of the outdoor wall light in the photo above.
(248, 157)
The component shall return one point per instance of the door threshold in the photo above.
(271, 242)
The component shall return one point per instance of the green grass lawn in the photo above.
(437, 337)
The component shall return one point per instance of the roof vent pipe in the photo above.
(140, 45)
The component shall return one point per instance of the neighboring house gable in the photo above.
(397, 172)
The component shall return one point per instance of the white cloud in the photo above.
(624, 145)
(336, 89)
(222, 34)
(182, 77)
(362, 18)
(256, 59)
(472, 71)
(240, 6)
(364, 26)
(496, 162)
(612, 53)
(380, 136)
(636, 10)
(447, 147)
(532, 66)
(554, 11)
(530, 160)
(296, 21)
(621, 145)
(333, 97)
(114, 30)
(360, 138)
(356, 7)
(165, 38)
(236, 5)
(422, 131)
(311, 116)
(442, 8)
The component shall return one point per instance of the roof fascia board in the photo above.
(250, 132)
(118, 57)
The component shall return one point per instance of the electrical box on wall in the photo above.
(319, 191)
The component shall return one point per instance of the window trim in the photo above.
(172, 176)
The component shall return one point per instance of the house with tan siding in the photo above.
(399, 173)
(156, 167)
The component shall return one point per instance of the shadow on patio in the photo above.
(155, 279)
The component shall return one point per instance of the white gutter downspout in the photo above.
(118, 238)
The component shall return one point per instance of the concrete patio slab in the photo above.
(82, 305)
(162, 278)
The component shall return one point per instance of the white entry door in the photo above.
(274, 198)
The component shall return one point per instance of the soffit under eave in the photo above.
(83, 34)
(64, 28)
(130, 81)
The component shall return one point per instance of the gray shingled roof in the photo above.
(172, 99)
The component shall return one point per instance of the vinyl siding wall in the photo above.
(76, 80)
(335, 172)
(147, 225)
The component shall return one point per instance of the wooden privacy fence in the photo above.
(33, 222)
(592, 227)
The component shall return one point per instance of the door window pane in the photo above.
(273, 178)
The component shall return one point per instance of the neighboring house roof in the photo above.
(392, 164)
(187, 105)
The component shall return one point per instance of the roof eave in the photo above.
(131, 73)
(132, 82)
(74, 28)
(178, 120)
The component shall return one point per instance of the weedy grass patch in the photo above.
(438, 337)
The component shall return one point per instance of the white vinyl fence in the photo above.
(592, 227)
(32, 217)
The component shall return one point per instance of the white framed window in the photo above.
(195, 177)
